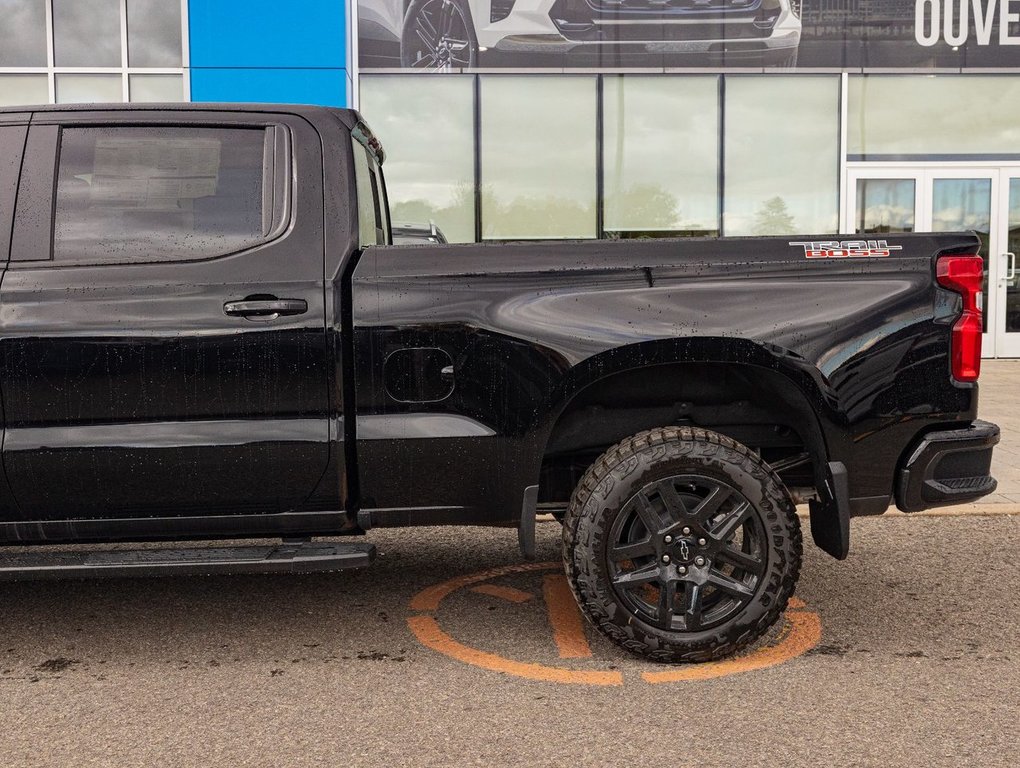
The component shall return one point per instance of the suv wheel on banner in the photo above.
(438, 35)
(790, 62)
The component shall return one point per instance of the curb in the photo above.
(963, 510)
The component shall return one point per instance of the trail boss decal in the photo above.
(842, 249)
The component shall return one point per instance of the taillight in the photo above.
(964, 275)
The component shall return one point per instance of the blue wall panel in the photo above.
(269, 50)
(280, 86)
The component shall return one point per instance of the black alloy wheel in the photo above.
(438, 35)
(681, 545)
(687, 553)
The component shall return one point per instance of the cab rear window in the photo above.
(128, 194)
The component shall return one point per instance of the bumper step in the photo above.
(948, 467)
(269, 558)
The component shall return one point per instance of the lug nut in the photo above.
(665, 558)
(668, 539)
(702, 542)
(686, 531)
(682, 570)
(699, 560)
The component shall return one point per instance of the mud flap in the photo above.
(830, 515)
(526, 529)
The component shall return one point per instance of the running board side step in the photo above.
(288, 557)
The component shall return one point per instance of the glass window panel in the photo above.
(964, 204)
(931, 115)
(22, 33)
(86, 33)
(426, 126)
(154, 33)
(661, 150)
(538, 156)
(156, 87)
(157, 194)
(1013, 246)
(16, 90)
(371, 228)
(961, 204)
(84, 89)
(885, 206)
(782, 155)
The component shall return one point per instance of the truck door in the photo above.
(13, 130)
(162, 336)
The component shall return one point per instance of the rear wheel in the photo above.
(681, 545)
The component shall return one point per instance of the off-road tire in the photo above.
(649, 457)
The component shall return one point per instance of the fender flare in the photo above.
(810, 396)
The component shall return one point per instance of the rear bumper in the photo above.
(948, 467)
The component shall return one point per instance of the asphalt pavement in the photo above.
(906, 654)
(918, 663)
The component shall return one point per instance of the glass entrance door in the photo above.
(1008, 272)
(965, 199)
(889, 200)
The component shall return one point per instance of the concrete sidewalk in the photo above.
(998, 401)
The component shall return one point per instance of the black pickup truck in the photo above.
(205, 335)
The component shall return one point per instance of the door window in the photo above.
(160, 194)
(885, 206)
(959, 205)
(1012, 277)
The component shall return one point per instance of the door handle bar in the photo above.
(1011, 268)
(267, 308)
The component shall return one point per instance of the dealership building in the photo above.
(515, 119)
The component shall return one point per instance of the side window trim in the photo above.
(33, 214)
(380, 236)
(385, 203)
(32, 238)
(276, 175)
(268, 180)
(281, 180)
(12, 145)
(373, 215)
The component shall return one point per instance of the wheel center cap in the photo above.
(683, 550)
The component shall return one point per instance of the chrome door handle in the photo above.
(1011, 267)
(265, 308)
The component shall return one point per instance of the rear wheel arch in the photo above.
(617, 394)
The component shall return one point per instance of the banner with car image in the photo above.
(459, 35)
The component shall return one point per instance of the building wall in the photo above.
(67, 51)
(264, 50)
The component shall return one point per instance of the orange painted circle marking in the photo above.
(802, 632)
